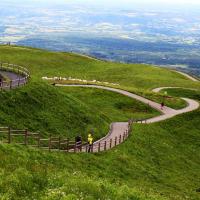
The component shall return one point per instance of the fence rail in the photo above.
(24, 137)
(22, 79)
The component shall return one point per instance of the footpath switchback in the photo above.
(167, 112)
(118, 128)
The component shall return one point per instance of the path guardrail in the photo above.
(22, 79)
(27, 138)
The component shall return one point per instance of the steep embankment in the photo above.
(40, 107)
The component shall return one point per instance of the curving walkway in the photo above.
(16, 80)
(186, 75)
(11, 75)
(162, 88)
(118, 128)
(167, 112)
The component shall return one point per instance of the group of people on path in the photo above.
(90, 141)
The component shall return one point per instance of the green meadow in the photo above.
(158, 161)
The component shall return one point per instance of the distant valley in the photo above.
(184, 57)
(160, 36)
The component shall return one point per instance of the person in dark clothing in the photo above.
(162, 105)
(78, 141)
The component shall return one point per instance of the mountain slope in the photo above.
(159, 161)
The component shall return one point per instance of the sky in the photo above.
(159, 5)
(113, 2)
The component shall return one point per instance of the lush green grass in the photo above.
(113, 105)
(179, 92)
(40, 107)
(159, 161)
(44, 63)
(132, 77)
(67, 111)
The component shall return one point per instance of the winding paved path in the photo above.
(187, 76)
(17, 79)
(118, 128)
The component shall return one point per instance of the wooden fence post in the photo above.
(26, 137)
(115, 141)
(92, 148)
(19, 82)
(50, 143)
(11, 84)
(124, 136)
(99, 147)
(75, 146)
(105, 145)
(38, 140)
(67, 145)
(9, 135)
(110, 143)
(120, 138)
(59, 145)
(81, 147)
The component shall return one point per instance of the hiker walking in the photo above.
(162, 105)
(78, 141)
(90, 142)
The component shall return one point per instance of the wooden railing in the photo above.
(24, 137)
(22, 79)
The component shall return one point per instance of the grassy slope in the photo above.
(157, 160)
(132, 77)
(113, 105)
(183, 93)
(50, 110)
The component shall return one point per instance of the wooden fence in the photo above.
(22, 79)
(24, 137)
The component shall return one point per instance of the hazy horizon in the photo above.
(156, 31)
(114, 3)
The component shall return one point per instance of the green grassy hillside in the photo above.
(67, 111)
(183, 93)
(136, 78)
(159, 161)
(133, 76)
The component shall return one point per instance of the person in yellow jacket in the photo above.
(90, 142)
